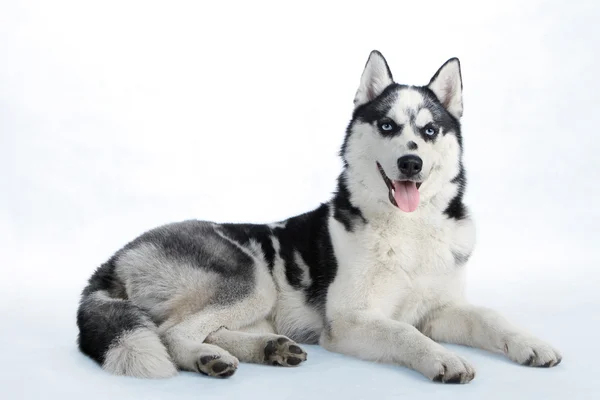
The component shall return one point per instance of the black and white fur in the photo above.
(357, 274)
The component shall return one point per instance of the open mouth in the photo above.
(402, 194)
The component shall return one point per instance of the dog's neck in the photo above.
(364, 197)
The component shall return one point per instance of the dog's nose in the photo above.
(410, 165)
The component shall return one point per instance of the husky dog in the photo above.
(376, 273)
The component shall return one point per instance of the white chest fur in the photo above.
(401, 267)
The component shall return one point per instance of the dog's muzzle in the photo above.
(404, 194)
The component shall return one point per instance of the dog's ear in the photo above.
(447, 86)
(375, 78)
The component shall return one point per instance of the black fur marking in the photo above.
(380, 106)
(102, 322)
(456, 208)
(412, 145)
(104, 278)
(343, 209)
(370, 112)
(242, 233)
(441, 117)
(287, 252)
(396, 129)
(308, 235)
(425, 136)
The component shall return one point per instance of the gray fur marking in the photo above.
(460, 258)
(190, 257)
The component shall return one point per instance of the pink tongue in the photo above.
(406, 195)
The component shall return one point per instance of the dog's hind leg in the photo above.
(184, 340)
(259, 348)
(185, 337)
(207, 359)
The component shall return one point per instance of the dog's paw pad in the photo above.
(217, 365)
(454, 379)
(283, 352)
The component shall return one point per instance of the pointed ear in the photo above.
(375, 78)
(447, 86)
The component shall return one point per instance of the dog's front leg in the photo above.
(372, 337)
(486, 329)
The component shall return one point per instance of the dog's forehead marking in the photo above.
(424, 117)
(407, 104)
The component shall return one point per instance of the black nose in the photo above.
(410, 165)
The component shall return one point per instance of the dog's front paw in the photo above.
(532, 352)
(447, 367)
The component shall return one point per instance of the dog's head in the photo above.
(403, 143)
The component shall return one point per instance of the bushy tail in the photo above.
(117, 334)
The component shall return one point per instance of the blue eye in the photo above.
(430, 131)
(387, 125)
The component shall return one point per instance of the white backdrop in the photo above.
(118, 116)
